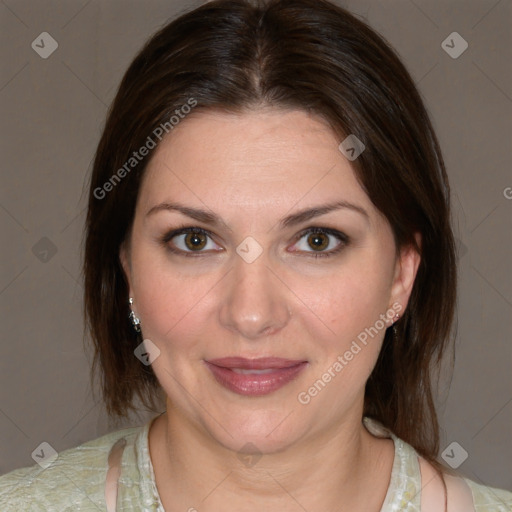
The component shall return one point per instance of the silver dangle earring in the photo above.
(135, 321)
(395, 319)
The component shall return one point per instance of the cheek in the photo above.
(350, 303)
(352, 297)
(172, 308)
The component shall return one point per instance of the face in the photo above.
(264, 275)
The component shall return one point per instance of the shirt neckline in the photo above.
(397, 494)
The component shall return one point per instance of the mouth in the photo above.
(255, 377)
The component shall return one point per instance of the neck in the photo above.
(319, 473)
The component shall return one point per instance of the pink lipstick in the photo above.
(254, 377)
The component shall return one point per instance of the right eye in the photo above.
(189, 240)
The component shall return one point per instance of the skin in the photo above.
(252, 170)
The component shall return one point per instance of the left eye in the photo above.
(321, 241)
(193, 241)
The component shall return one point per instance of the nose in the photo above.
(254, 302)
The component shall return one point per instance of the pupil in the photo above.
(195, 240)
(318, 241)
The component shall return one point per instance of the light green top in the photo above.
(75, 480)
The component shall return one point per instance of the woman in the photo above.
(268, 244)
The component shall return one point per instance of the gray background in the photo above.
(52, 113)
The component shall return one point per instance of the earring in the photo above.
(395, 319)
(135, 321)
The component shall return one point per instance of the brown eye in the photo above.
(318, 241)
(195, 241)
(190, 241)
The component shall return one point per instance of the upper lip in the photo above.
(261, 363)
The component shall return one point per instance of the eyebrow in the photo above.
(196, 213)
(288, 221)
(310, 213)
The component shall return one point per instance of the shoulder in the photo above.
(464, 495)
(416, 485)
(489, 499)
(74, 480)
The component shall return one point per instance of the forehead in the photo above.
(256, 160)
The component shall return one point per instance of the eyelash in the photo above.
(342, 238)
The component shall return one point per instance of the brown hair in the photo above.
(234, 55)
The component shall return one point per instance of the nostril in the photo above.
(269, 331)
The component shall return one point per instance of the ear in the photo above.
(124, 258)
(406, 269)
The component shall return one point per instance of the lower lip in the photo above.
(255, 384)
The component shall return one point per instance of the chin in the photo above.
(257, 433)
